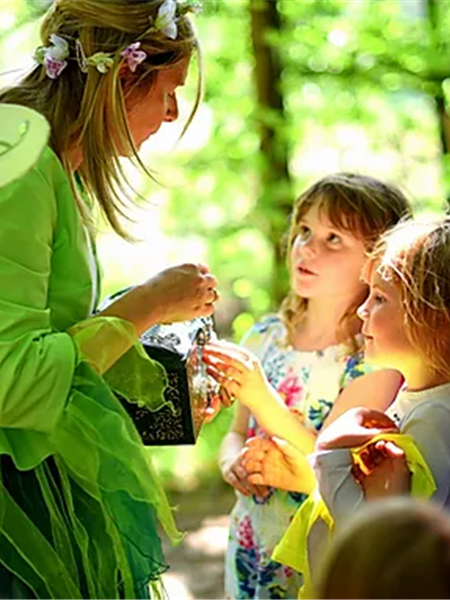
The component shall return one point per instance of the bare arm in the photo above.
(241, 373)
(373, 390)
(231, 455)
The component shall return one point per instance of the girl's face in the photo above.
(326, 262)
(384, 330)
(147, 113)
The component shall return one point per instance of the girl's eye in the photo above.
(379, 299)
(304, 233)
(334, 239)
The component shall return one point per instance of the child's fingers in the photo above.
(237, 484)
(231, 354)
(258, 442)
(230, 386)
(253, 454)
(253, 466)
(227, 368)
(375, 419)
(213, 409)
(389, 449)
(257, 479)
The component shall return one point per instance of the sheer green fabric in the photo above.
(103, 505)
(79, 500)
(110, 345)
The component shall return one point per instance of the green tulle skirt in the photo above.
(79, 509)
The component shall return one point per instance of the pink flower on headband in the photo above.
(54, 66)
(133, 55)
(53, 56)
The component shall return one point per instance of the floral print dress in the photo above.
(309, 382)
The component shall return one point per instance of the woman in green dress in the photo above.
(79, 501)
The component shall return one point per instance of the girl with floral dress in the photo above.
(301, 368)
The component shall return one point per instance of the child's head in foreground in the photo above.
(394, 549)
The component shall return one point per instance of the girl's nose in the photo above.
(308, 247)
(363, 310)
(172, 109)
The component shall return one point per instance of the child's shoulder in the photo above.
(264, 332)
(269, 322)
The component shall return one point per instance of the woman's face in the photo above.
(147, 112)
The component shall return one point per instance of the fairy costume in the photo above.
(79, 501)
(309, 383)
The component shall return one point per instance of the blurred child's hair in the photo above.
(88, 109)
(399, 548)
(361, 205)
(415, 255)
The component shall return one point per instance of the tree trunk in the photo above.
(275, 200)
(433, 13)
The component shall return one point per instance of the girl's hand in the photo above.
(385, 471)
(181, 293)
(238, 372)
(354, 428)
(274, 462)
(235, 475)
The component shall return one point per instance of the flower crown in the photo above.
(54, 57)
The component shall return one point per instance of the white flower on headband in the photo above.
(53, 57)
(165, 19)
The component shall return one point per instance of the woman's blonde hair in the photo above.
(88, 109)
(415, 255)
(361, 205)
(398, 548)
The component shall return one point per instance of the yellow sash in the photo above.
(293, 547)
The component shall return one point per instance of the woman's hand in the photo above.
(277, 463)
(384, 471)
(239, 373)
(176, 294)
(354, 428)
(181, 293)
(235, 475)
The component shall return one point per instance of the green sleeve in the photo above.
(36, 363)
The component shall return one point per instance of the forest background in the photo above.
(294, 89)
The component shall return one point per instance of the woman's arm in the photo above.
(36, 363)
(179, 293)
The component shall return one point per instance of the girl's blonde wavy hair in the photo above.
(361, 205)
(415, 256)
(88, 109)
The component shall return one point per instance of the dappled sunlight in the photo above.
(211, 538)
(176, 586)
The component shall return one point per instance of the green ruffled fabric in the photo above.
(105, 501)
